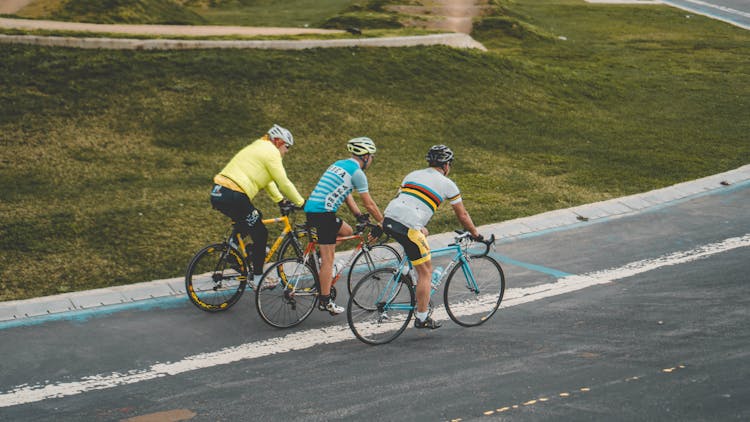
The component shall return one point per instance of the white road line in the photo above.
(722, 13)
(719, 7)
(301, 340)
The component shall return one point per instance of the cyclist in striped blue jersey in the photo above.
(334, 188)
(421, 193)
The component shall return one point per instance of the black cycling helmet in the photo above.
(439, 155)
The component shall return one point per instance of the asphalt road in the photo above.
(643, 317)
(736, 12)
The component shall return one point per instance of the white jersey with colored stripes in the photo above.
(420, 195)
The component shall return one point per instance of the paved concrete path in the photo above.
(451, 40)
(456, 40)
(174, 30)
(70, 303)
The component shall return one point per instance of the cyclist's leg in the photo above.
(259, 233)
(327, 254)
(418, 251)
(247, 221)
(345, 229)
(328, 227)
(424, 275)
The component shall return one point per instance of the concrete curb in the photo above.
(454, 40)
(506, 230)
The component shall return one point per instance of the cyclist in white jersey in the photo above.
(333, 189)
(421, 193)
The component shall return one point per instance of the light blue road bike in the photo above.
(383, 302)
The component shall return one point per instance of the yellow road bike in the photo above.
(217, 275)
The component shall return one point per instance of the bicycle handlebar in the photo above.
(359, 228)
(288, 210)
(465, 235)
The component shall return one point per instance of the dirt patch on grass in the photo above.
(13, 6)
(446, 15)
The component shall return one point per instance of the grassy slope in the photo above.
(113, 11)
(106, 157)
(284, 13)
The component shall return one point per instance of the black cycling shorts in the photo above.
(326, 224)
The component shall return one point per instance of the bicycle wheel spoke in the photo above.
(379, 256)
(472, 297)
(379, 309)
(216, 278)
(286, 294)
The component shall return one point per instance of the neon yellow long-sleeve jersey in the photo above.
(258, 166)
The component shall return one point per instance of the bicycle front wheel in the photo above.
(380, 308)
(473, 294)
(366, 261)
(287, 293)
(216, 277)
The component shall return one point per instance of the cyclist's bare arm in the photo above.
(352, 204)
(371, 207)
(464, 218)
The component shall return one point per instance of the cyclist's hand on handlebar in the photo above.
(376, 232)
(477, 238)
(285, 206)
(363, 218)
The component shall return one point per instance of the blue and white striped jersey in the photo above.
(335, 185)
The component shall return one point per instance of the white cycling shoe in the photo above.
(334, 309)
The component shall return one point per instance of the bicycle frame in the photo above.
(405, 267)
(311, 247)
(310, 252)
(286, 229)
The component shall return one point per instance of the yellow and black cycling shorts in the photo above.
(414, 241)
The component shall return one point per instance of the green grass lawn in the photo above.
(284, 13)
(106, 157)
(273, 13)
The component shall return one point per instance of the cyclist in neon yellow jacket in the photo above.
(257, 166)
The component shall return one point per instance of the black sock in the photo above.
(324, 299)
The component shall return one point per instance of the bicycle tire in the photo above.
(380, 256)
(465, 305)
(287, 293)
(380, 323)
(216, 277)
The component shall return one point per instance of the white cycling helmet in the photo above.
(361, 146)
(279, 132)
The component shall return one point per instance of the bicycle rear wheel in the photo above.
(216, 277)
(472, 297)
(287, 293)
(379, 309)
(379, 256)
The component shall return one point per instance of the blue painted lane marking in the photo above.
(533, 267)
(83, 315)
